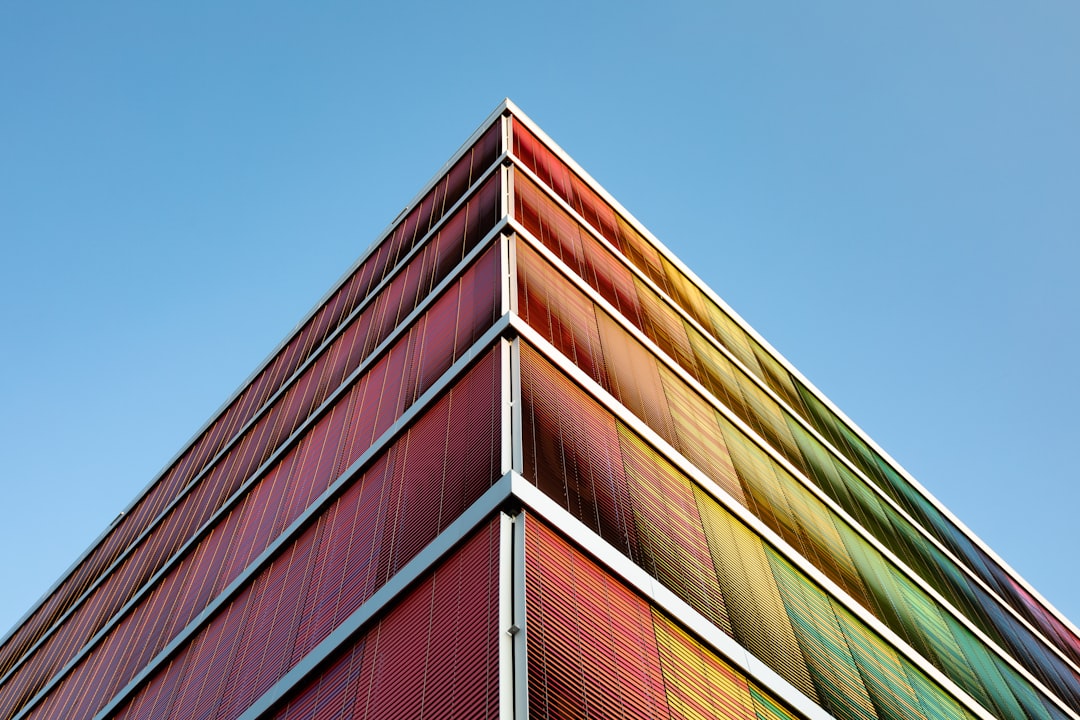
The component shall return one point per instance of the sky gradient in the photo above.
(889, 195)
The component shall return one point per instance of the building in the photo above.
(520, 462)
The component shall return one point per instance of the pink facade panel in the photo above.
(277, 371)
(346, 430)
(433, 655)
(327, 569)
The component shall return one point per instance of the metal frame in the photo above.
(398, 584)
(513, 490)
(499, 160)
(516, 422)
(826, 443)
(647, 586)
(514, 634)
(799, 476)
(521, 620)
(506, 462)
(744, 515)
(482, 345)
(513, 624)
(507, 627)
(286, 445)
(670, 257)
(518, 580)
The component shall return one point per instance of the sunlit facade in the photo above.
(519, 463)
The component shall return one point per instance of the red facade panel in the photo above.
(575, 463)
(234, 467)
(575, 247)
(352, 290)
(434, 654)
(345, 553)
(359, 416)
(598, 650)
(264, 536)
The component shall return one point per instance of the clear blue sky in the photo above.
(888, 192)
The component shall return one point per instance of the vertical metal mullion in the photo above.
(504, 274)
(517, 438)
(506, 422)
(511, 273)
(507, 132)
(513, 455)
(520, 627)
(507, 676)
(506, 207)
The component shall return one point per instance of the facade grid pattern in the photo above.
(520, 462)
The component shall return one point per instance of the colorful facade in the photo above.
(519, 463)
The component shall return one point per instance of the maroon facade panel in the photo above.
(347, 429)
(592, 653)
(352, 291)
(435, 469)
(278, 420)
(433, 655)
(549, 223)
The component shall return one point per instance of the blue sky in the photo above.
(889, 193)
